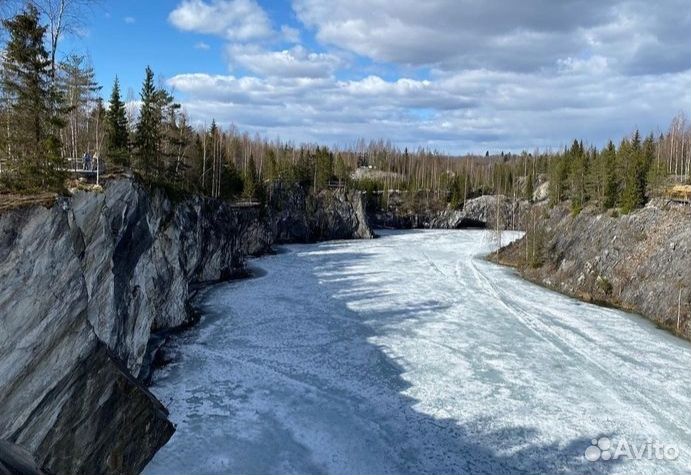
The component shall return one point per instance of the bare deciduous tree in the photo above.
(64, 17)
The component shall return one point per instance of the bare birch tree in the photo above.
(65, 17)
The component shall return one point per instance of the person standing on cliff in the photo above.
(87, 161)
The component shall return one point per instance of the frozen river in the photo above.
(411, 354)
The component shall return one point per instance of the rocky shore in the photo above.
(638, 262)
(85, 283)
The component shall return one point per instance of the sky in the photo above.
(459, 76)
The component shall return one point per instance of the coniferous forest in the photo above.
(53, 109)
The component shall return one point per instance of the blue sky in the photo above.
(123, 37)
(456, 75)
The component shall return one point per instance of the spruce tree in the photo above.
(97, 117)
(323, 168)
(270, 166)
(558, 174)
(648, 155)
(578, 173)
(32, 103)
(117, 137)
(147, 135)
(633, 195)
(341, 169)
(656, 169)
(166, 117)
(232, 181)
(529, 189)
(250, 181)
(610, 186)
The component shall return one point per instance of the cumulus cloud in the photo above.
(458, 75)
(637, 36)
(466, 111)
(241, 20)
(293, 62)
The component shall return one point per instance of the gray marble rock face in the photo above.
(83, 285)
(299, 217)
(15, 460)
(477, 212)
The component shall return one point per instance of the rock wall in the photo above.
(15, 460)
(297, 217)
(640, 262)
(84, 285)
(478, 212)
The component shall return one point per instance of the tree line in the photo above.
(52, 109)
(612, 177)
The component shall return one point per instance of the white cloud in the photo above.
(294, 62)
(290, 34)
(237, 20)
(635, 37)
(594, 65)
(460, 112)
(459, 75)
(202, 46)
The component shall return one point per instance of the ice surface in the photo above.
(411, 354)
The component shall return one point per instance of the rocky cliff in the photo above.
(640, 262)
(478, 212)
(298, 217)
(86, 281)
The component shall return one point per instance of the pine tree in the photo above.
(147, 135)
(117, 138)
(32, 103)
